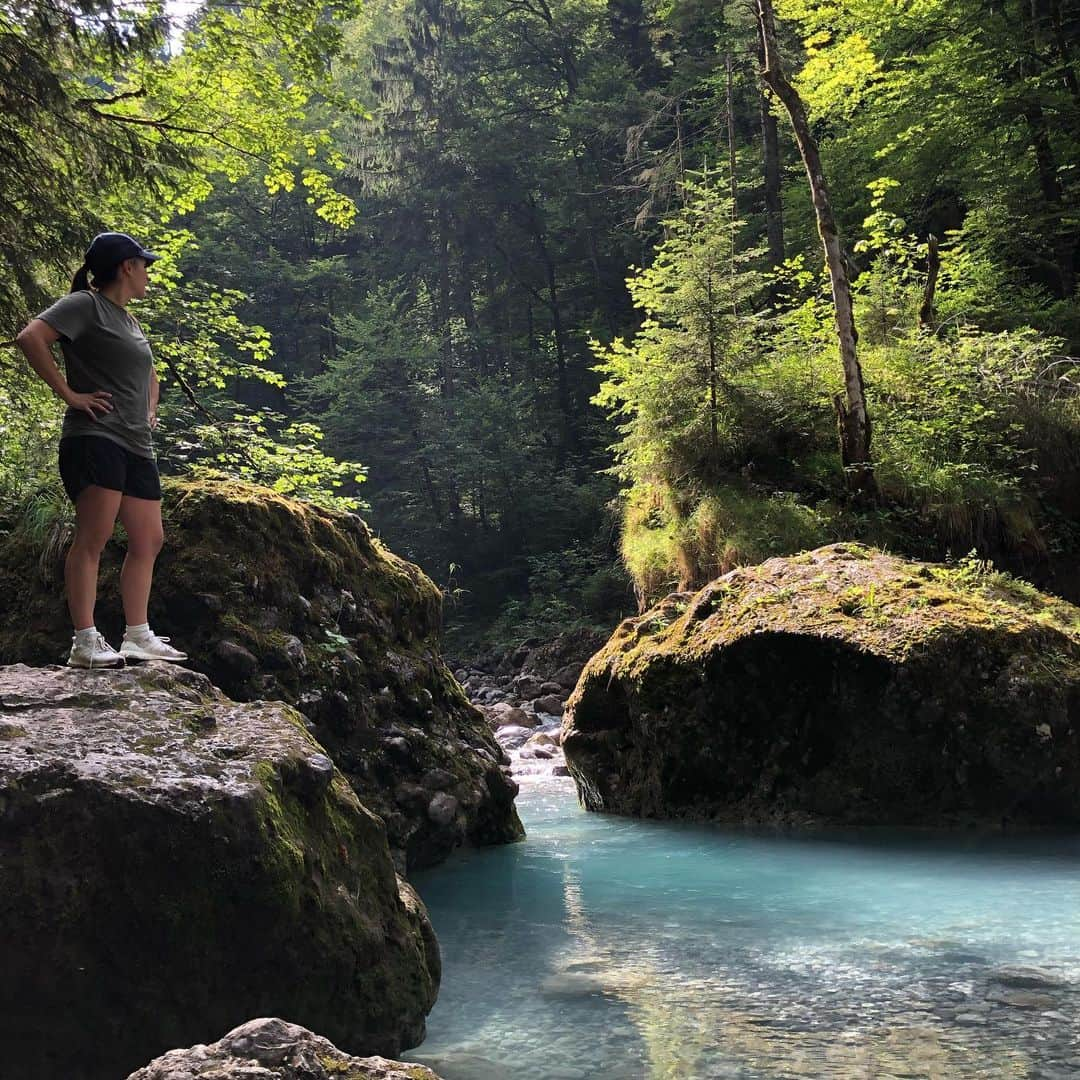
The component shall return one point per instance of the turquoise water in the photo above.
(606, 947)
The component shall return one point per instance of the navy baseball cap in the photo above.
(109, 248)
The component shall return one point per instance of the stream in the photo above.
(606, 947)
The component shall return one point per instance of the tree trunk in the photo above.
(1063, 234)
(1053, 196)
(774, 208)
(854, 421)
(568, 440)
(443, 300)
(714, 425)
(731, 136)
(1063, 46)
(446, 347)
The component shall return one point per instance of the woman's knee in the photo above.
(89, 542)
(141, 519)
(95, 515)
(146, 543)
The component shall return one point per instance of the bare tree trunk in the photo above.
(446, 345)
(731, 135)
(568, 432)
(770, 148)
(854, 421)
(679, 146)
(429, 483)
(443, 302)
(714, 426)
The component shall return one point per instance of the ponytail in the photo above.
(80, 282)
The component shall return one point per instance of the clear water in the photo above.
(609, 948)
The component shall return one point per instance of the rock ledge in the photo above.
(173, 862)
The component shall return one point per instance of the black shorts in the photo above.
(93, 460)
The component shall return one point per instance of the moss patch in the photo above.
(840, 685)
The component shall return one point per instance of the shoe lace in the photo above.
(99, 644)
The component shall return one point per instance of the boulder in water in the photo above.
(842, 686)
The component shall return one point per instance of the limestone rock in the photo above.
(504, 715)
(542, 738)
(274, 598)
(172, 862)
(1021, 999)
(442, 809)
(570, 647)
(513, 736)
(550, 704)
(842, 685)
(1021, 977)
(568, 675)
(272, 1049)
(527, 686)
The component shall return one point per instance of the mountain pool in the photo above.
(611, 948)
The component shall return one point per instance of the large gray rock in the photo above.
(277, 599)
(842, 685)
(172, 863)
(272, 1049)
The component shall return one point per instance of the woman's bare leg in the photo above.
(95, 515)
(141, 519)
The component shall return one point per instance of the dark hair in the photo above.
(80, 282)
(103, 258)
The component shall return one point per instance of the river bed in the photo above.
(605, 947)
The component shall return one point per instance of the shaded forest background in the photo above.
(536, 285)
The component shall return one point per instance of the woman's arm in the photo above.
(36, 340)
(155, 393)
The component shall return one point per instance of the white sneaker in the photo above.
(93, 653)
(150, 647)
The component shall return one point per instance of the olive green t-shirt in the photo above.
(105, 349)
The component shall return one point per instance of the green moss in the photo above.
(876, 601)
(148, 744)
(305, 842)
(340, 1067)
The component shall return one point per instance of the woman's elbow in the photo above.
(30, 335)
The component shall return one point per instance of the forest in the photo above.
(538, 287)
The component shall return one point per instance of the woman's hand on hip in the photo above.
(88, 403)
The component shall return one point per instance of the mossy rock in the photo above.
(281, 600)
(840, 686)
(273, 1049)
(172, 863)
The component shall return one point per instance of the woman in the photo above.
(107, 459)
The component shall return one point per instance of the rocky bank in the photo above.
(173, 863)
(522, 692)
(275, 599)
(839, 686)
